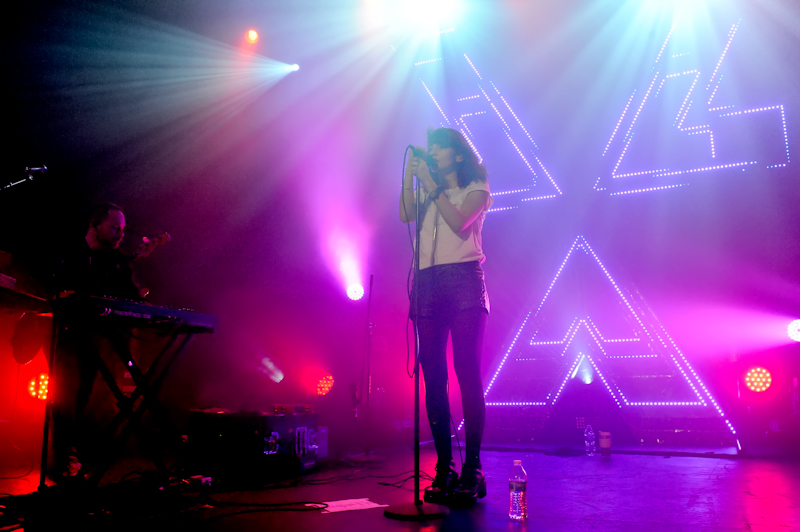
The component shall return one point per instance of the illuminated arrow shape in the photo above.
(649, 340)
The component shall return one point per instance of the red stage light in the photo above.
(324, 385)
(38, 387)
(758, 379)
(252, 36)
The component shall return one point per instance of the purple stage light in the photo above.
(794, 330)
(351, 279)
(355, 292)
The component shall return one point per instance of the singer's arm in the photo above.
(457, 219)
(460, 219)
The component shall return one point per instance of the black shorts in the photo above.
(450, 287)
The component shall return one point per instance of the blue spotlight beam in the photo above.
(133, 75)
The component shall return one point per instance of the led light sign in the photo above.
(610, 356)
(480, 109)
(677, 104)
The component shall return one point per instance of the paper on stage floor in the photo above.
(349, 504)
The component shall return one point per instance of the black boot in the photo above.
(442, 486)
(470, 486)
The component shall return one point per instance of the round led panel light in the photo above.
(355, 291)
(324, 385)
(758, 379)
(38, 387)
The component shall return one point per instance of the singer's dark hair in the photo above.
(470, 169)
(100, 212)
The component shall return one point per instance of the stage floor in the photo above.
(627, 492)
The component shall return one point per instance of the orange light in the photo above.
(38, 387)
(758, 379)
(252, 36)
(324, 385)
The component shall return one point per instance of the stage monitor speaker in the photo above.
(254, 447)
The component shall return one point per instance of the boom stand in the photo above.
(418, 510)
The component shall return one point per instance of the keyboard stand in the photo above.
(109, 318)
(132, 409)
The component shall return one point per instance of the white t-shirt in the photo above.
(439, 244)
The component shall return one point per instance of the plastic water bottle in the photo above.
(517, 491)
(588, 436)
(605, 444)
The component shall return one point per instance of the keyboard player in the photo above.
(94, 266)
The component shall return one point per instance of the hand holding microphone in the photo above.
(427, 172)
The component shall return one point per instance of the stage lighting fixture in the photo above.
(38, 387)
(324, 385)
(794, 330)
(439, 14)
(758, 379)
(269, 368)
(252, 36)
(352, 278)
(355, 291)
(294, 68)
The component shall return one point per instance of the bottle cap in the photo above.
(517, 462)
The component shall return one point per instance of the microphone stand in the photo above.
(366, 460)
(418, 510)
(368, 355)
(29, 171)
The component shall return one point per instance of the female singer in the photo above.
(452, 299)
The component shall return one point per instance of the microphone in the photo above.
(35, 169)
(30, 170)
(433, 166)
